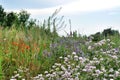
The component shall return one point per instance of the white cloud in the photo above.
(78, 6)
(90, 5)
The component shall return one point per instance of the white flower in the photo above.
(48, 75)
(80, 58)
(74, 53)
(116, 74)
(90, 47)
(60, 57)
(68, 56)
(67, 74)
(108, 52)
(104, 52)
(114, 57)
(85, 70)
(108, 40)
(111, 75)
(101, 59)
(77, 66)
(15, 72)
(40, 75)
(16, 75)
(111, 70)
(93, 67)
(97, 62)
(53, 66)
(105, 75)
(66, 59)
(95, 58)
(76, 57)
(46, 72)
(63, 68)
(103, 69)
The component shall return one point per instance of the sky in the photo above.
(87, 16)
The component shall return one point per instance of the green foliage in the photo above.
(10, 19)
(2, 15)
(105, 34)
(23, 17)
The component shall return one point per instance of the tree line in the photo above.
(104, 34)
(8, 19)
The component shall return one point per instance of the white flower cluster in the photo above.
(74, 66)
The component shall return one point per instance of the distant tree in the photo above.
(97, 36)
(31, 23)
(23, 17)
(109, 32)
(2, 15)
(10, 19)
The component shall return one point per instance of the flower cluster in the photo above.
(104, 64)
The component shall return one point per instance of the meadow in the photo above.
(39, 53)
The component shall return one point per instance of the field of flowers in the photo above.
(33, 55)
(30, 50)
(101, 62)
(39, 53)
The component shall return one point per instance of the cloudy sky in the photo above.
(87, 16)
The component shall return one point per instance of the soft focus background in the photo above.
(87, 16)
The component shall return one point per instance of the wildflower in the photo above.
(53, 66)
(68, 56)
(40, 75)
(114, 57)
(98, 72)
(90, 47)
(46, 72)
(63, 68)
(76, 57)
(17, 75)
(103, 69)
(74, 53)
(101, 59)
(116, 73)
(47, 75)
(66, 59)
(111, 70)
(57, 64)
(15, 72)
(67, 74)
(111, 75)
(95, 58)
(108, 40)
(85, 70)
(60, 57)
